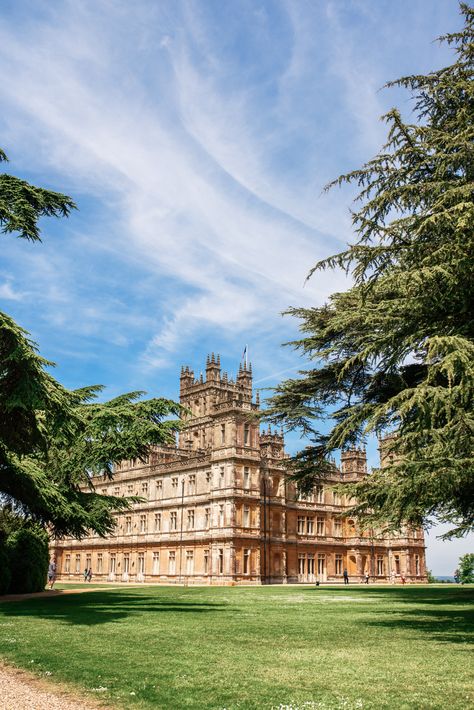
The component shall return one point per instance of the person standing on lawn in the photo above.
(52, 572)
(345, 576)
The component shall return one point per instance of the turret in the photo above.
(186, 379)
(213, 368)
(244, 377)
(354, 462)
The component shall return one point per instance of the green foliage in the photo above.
(466, 568)
(5, 574)
(28, 559)
(430, 577)
(55, 443)
(396, 351)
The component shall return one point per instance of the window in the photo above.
(78, 564)
(222, 433)
(189, 561)
(145, 488)
(246, 477)
(172, 562)
(311, 564)
(220, 561)
(117, 491)
(143, 523)
(156, 563)
(336, 498)
(320, 526)
(157, 522)
(246, 561)
(174, 484)
(192, 484)
(190, 519)
(319, 491)
(112, 563)
(206, 561)
(128, 524)
(159, 488)
(221, 516)
(246, 435)
(321, 564)
(173, 520)
(130, 489)
(338, 528)
(88, 561)
(301, 564)
(126, 563)
(99, 563)
(380, 566)
(246, 517)
(67, 564)
(208, 479)
(141, 563)
(208, 517)
(301, 522)
(310, 526)
(417, 564)
(221, 477)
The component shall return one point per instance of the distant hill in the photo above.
(443, 578)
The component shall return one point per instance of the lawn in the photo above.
(267, 647)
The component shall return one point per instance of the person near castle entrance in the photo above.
(366, 577)
(52, 573)
(346, 577)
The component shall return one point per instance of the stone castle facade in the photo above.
(218, 509)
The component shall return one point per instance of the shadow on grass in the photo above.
(100, 607)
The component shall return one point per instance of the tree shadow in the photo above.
(100, 607)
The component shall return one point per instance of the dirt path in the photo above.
(21, 690)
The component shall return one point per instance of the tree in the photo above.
(55, 443)
(395, 352)
(466, 568)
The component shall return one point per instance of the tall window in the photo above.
(221, 516)
(207, 517)
(301, 522)
(246, 435)
(222, 433)
(141, 563)
(338, 564)
(112, 563)
(221, 476)
(143, 523)
(246, 517)
(156, 563)
(190, 519)
(206, 561)
(208, 479)
(246, 561)
(172, 562)
(117, 491)
(78, 564)
(174, 484)
(338, 528)
(380, 565)
(310, 563)
(321, 564)
(130, 489)
(159, 489)
(336, 498)
(189, 561)
(320, 526)
(128, 524)
(67, 564)
(220, 561)
(157, 522)
(99, 563)
(192, 484)
(310, 526)
(126, 563)
(246, 477)
(417, 564)
(173, 520)
(301, 564)
(144, 488)
(319, 491)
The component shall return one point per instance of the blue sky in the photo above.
(196, 138)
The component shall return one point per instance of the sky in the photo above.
(196, 139)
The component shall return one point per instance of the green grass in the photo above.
(266, 647)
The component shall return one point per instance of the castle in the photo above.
(218, 509)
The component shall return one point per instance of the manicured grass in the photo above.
(266, 647)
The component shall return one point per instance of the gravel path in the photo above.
(20, 690)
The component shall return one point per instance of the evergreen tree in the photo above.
(466, 569)
(396, 350)
(56, 443)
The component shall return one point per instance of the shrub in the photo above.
(5, 575)
(29, 557)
